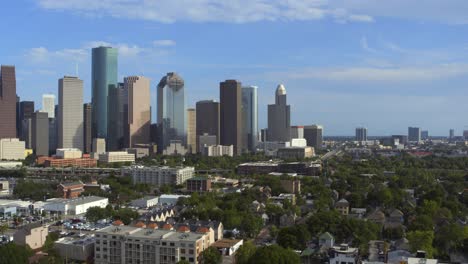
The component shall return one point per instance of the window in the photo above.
(182, 251)
(171, 244)
(191, 251)
(190, 259)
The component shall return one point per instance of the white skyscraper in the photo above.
(70, 113)
(48, 104)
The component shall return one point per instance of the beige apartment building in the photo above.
(11, 149)
(139, 110)
(146, 245)
(33, 235)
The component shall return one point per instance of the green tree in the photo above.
(94, 214)
(3, 228)
(183, 261)
(211, 255)
(245, 252)
(12, 253)
(251, 224)
(274, 255)
(421, 240)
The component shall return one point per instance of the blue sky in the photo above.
(386, 65)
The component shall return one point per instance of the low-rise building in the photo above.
(10, 164)
(198, 184)
(68, 153)
(12, 149)
(33, 235)
(70, 190)
(4, 188)
(159, 176)
(295, 152)
(126, 244)
(342, 206)
(228, 247)
(75, 206)
(80, 249)
(170, 199)
(291, 186)
(116, 156)
(284, 196)
(145, 202)
(257, 168)
(344, 254)
(62, 163)
(218, 151)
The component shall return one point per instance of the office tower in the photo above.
(99, 145)
(361, 134)
(48, 104)
(18, 121)
(7, 102)
(26, 132)
(87, 131)
(139, 110)
(230, 94)
(40, 133)
(297, 132)
(250, 117)
(25, 111)
(52, 135)
(424, 134)
(314, 136)
(207, 120)
(104, 77)
(191, 130)
(70, 113)
(465, 134)
(118, 118)
(451, 133)
(172, 118)
(414, 134)
(279, 115)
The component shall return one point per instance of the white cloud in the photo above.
(365, 45)
(428, 73)
(164, 43)
(234, 11)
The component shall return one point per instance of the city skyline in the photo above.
(344, 64)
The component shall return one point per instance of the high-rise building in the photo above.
(424, 134)
(314, 136)
(48, 104)
(451, 133)
(99, 146)
(11, 149)
(414, 134)
(139, 110)
(118, 118)
(87, 130)
(7, 102)
(70, 113)
(172, 114)
(250, 117)
(297, 132)
(52, 135)
(230, 93)
(279, 117)
(465, 134)
(18, 121)
(191, 130)
(26, 132)
(40, 133)
(25, 111)
(104, 77)
(207, 120)
(361, 134)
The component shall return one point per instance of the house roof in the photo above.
(71, 184)
(326, 235)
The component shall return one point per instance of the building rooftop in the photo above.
(83, 241)
(147, 233)
(77, 201)
(226, 243)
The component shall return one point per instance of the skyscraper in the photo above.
(40, 133)
(230, 94)
(297, 132)
(314, 136)
(25, 111)
(207, 120)
(451, 133)
(104, 77)
(70, 113)
(118, 118)
(361, 134)
(52, 135)
(87, 132)
(139, 110)
(279, 117)
(7, 102)
(172, 114)
(414, 134)
(191, 130)
(48, 104)
(424, 134)
(250, 117)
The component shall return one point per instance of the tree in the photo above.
(12, 253)
(421, 240)
(96, 213)
(251, 224)
(245, 252)
(295, 237)
(274, 255)
(183, 261)
(211, 255)
(3, 228)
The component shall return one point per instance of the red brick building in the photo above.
(70, 190)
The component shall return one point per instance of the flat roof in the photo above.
(78, 201)
(226, 243)
(82, 241)
(146, 233)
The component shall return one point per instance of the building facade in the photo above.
(12, 149)
(159, 176)
(40, 133)
(191, 130)
(48, 105)
(361, 134)
(279, 117)
(218, 151)
(7, 102)
(104, 77)
(297, 132)
(414, 134)
(172, 118)
(139, 110)
(118, 118)
(87, 131)
(207, 120)
(116, 156)
(250, 117)
(230, 93)
(70, 113)
(25, 111)
(314, 136)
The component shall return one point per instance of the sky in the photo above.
(381, 64)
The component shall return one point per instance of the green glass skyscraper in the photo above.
(104, 78)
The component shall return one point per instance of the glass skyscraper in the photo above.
(104, 78)
(172, 117)
(250, 117)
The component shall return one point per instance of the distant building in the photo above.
(69, 153)
(40, 133)
(291, 186)
(218, 151)
(297, 132)
(279, 117)
(87, 131)
(159, 176)
(250, 117)
(118, 117)
(139, 110)
(207, 121)
(344, 254)
(176, 147)
(48, 105)
(8, 100)
(62, 163)
(230, 94)
(295, 152)
(145, 202)
(414, 134)
(32, 235)
(424, 134)
(70, 114)
(116, 156)
(342, 206)
(361, 134)
(191, 130)
(25, 111)
(11, 149)
(70, 190)
(452, 133)
(314, 136)
(198, 184)
(99, 146)
(206, 140)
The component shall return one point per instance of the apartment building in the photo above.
(159, 175)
